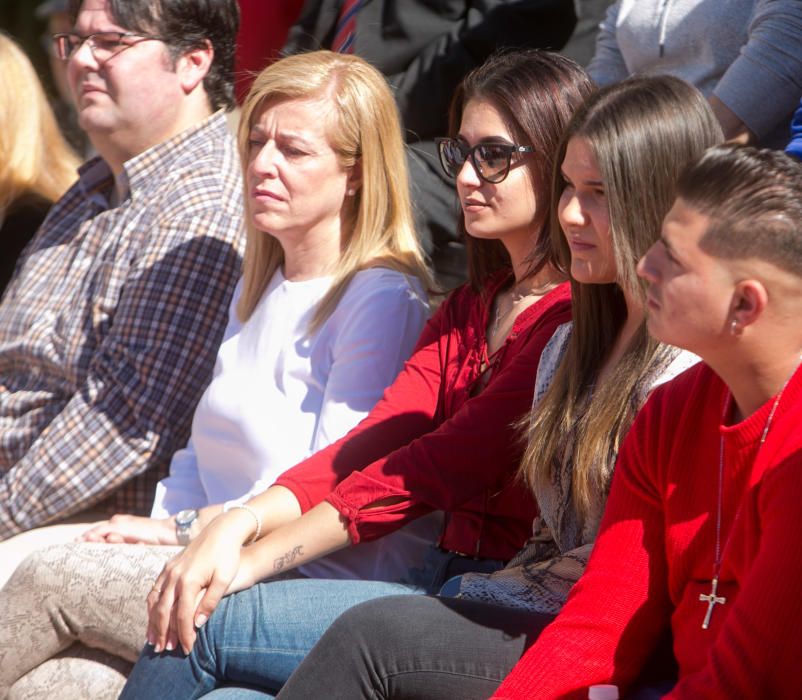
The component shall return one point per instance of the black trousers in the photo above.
(415, 647)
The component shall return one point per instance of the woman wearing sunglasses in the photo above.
(442, 437)
(618, 165)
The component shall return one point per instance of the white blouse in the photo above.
(279, 394)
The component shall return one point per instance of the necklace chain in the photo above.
(515, 296)
(712, 598)
(499, 316)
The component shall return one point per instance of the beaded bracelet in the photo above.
(255, 515)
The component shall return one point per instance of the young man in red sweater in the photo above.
(701, 531)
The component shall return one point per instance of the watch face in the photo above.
(185, 517)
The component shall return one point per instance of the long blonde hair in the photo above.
(379, 229)
(34, 157)
(642, 132)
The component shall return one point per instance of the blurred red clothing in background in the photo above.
(263, 31)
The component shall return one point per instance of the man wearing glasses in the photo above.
(109, 327)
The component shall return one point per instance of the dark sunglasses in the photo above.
(491, 161)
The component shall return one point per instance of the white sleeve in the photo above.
(182, 488)
(378, 324)
(607, 65)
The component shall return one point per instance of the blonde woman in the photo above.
(330, 304)
(441, 438)
(36, 164)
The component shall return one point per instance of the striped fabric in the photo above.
(345, 33)
(109, 329)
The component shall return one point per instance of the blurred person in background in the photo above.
(744, 55)
(262, 33)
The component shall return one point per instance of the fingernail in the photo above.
(200, 620)
(157, 649)
(148, 643)
(169, 646)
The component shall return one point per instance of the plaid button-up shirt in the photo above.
(110, 327)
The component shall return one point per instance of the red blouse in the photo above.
(434, 442)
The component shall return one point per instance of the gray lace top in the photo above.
(540, 576)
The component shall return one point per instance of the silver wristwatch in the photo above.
(183, 525)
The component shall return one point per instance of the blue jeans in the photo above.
(254, 638)
(257, 637)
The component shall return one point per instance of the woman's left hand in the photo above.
(204, 571)
(191, 585)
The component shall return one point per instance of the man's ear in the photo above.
(748, 302)
(193, 66)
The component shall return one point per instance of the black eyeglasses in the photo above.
(491, 161)
(103, 45)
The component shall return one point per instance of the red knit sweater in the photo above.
(655, 553)
(433, 443)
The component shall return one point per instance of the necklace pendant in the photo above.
(712, 600)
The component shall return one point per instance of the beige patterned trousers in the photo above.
(83, 604)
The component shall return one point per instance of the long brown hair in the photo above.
(642, 132)
(535, 92)
(366, 129)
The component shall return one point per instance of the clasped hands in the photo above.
(191, 584)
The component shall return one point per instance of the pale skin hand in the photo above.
(132, 529)
(190, 592)
(208, 560)
(135, 529)
(734, 129)
(211, 559)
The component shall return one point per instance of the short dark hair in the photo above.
(535, 93)
(753, 198)
(185, 25)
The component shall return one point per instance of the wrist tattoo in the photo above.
(286, 559)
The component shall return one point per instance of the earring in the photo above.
(734, 328)
(351, 192)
